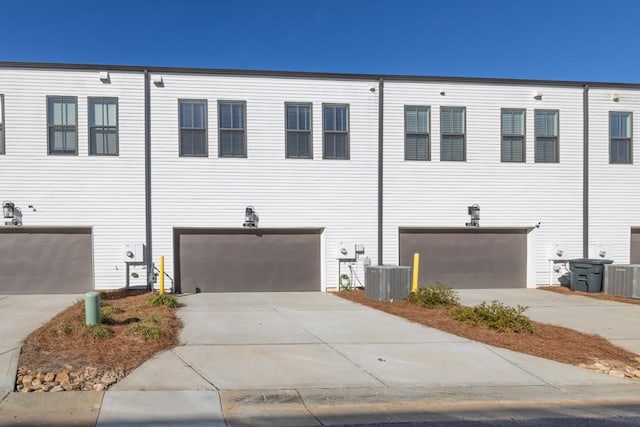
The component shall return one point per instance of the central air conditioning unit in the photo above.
(387, 282)
(622, 280)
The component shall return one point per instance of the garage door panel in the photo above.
(464, 259)
(45, 262)
(249, 261)
(634, 257)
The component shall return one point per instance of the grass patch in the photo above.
(167, 300)
(146, 331)
(99, 332)
(434, 295)
(495, 316)
(109, 309)
(64, 329)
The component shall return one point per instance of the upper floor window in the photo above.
(452, 129)
(232, 129)
(193, 127)
(336, 131)
(620, 142)
(103, 126)
(2, 124)
(512, 143)
(62, 117)
(416, 133)
(299, 144)
(546, 131)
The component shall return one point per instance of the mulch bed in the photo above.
(548, 341)
(601, 296)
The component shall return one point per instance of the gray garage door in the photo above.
(45, 260)
(240, 260)
(468, 258)
(635, 246)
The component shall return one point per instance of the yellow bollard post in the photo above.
(161, 281)
(416, 271)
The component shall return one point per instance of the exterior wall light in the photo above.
(104, 77)
(474, 213)
(9, 211)
(250, 217)
(537, 96)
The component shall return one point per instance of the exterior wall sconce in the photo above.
(474, 213)
(615, 97)
(442, 93)
(9, 211)
(250, 217)
(157, 81)
(537, 96)
(104, 77)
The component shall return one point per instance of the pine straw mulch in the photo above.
(566, 291)
(548, 341)
(65, 343)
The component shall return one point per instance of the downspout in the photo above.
(147, 179)
(380, 163)
(585, 172)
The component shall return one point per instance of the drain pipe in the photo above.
(585, 172)
(147, 179)
(380, 164)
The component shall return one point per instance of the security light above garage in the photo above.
(474, 213)
(8, 209)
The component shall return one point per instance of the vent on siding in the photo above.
(387, 282)
(622, 280)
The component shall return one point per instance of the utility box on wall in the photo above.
(134, 253)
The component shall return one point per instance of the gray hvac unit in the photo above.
(622, 280)
(387, 282)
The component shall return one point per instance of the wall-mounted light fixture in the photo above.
(104, 77)
(537, 96)
(442, 93)
(250, 217)
(372, 89)
(474, 213)
(157, 80)
(615, 97)
(9, 211)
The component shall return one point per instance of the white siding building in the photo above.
(94, 158)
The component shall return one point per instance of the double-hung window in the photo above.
(232, 129)
(2, 149)
(336, 131)
(103, 126)
(512, 143)
(452, 129)
(546, 131)
(416, 133)
(620, 140)
(62, 116)
(193, 127)
(298, 117)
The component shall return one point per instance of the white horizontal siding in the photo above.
(436, 194)
(103, 192)
(613, 188)
(338, 195)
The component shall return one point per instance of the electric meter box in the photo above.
(133, 252)
(346, 250)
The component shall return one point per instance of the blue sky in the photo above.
(593, 40)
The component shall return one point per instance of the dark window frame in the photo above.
(630, 138)
(463, 135)
(287, 130)
(238, 130)
(205, 129)
(523, 136)
(90, 100)
(535, 135)
(426, 134)
(51, 127)
(347, 132)
(3, 143)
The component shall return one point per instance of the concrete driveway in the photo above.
(21, 314)
(617, 322)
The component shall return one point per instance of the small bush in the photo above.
(433, 295)
(152, 318)
(168, 300)
(99, 332)
(108, 309)
(146, 331)
(63, 329)
(495, 316)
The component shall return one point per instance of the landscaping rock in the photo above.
(56, 389)
(108, 379)
(50, 377)
(62, 377)
(98, 387)
(616, 374)
(27, 379)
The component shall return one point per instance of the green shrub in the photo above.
(108, 309)
(146, 331)
(433, 295)
(99, 332)
(168, 300)
(495, 316)
(63, 328)
(152, 318)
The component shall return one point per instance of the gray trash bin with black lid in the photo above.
(587, 274)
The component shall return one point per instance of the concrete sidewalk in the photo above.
(316, 359)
